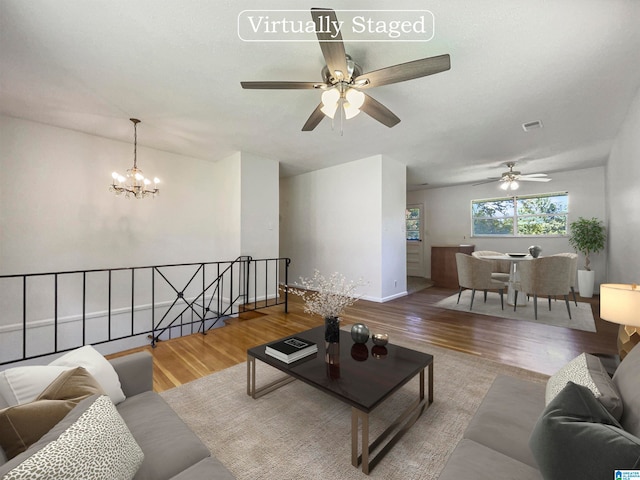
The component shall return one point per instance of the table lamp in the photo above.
(620, 303)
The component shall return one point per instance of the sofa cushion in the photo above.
(168, 444)
(23, 425)
(587, 370)
(471, 460)
(576, 437)
(207, 469)
(98, 366)
(91, 442)
(506, 416)
(626, 380)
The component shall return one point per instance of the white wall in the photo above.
(56, 211)
(332, 220)
(448, 214)
(623, 206)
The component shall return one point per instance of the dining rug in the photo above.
(581, 315)
(298, 432)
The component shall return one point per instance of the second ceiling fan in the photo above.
(509, 180)
(344, 81)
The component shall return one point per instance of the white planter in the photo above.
(586, 280)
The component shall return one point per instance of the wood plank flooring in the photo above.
(524, 344)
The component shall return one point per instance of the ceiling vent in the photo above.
(527, 127)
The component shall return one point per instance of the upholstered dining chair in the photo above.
(500, 269)
(546, 276)
(475, 274)
(573, 272)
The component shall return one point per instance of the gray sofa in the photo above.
(171, 450)
(515, 434)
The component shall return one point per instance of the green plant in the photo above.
(587, 237)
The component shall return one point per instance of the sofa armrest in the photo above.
(135, 372)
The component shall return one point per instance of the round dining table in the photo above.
(514, 276)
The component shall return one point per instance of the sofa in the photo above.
(582, 424)
(113, 425)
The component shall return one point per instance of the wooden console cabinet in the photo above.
(444, 272)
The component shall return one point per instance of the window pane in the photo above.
(493, 226)
(493, 208)
(413, 225)
(413, 235)
(541, 205)
(413, 213)
(543, 225)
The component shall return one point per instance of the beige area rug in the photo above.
(415, 284)
(582, 315)
(297, 432)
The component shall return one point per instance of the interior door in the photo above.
(415, 245)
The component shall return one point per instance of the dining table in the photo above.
(514, 275)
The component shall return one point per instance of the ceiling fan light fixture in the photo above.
(355, 98)
(350, 110)
(514, 185)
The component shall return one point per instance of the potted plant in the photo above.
(587, 236)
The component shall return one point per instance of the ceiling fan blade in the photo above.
(282, 85)
(486, 181)
(315, 118)
(330, 42)
(404, 71)
(378, 111)
(534, 179)
(534, 175)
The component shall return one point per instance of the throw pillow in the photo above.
(98, 445)
(23, 425)
(23, 384)
(587, 370)
(626, 380)
(98, 366)
(577, 438)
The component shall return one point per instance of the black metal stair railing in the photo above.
(46, 313)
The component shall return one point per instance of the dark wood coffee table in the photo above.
(363, 377)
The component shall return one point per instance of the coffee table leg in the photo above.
(357, 417)
(256, 392)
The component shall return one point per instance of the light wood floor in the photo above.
(523, 344)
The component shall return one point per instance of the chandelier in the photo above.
(134, 183)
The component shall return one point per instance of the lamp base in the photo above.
(628, 337)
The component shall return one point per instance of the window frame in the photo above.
(515, 233)
(420, 229)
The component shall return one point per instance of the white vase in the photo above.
(586, 280)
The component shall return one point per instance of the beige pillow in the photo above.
(23, 425)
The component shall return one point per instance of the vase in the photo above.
(535, 250)
(332, 329)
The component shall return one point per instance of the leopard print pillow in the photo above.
(96, 446)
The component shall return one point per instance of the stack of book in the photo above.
(291, 349)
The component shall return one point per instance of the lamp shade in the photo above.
(620, 303)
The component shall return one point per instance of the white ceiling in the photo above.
(89, 65)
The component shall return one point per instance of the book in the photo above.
(291, 349)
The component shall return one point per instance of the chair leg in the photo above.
(566, 300)
(515, 300)
(535, 306)
(501, 298)
(473, 294)
(549, 302)
(485, 296)
(459, 293)
(573, 292)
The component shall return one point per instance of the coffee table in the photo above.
(362, 376)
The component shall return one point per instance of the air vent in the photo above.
(527, 127)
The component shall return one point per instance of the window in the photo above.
(413, 219)
(521, 216)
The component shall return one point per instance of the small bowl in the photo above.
(380, 339)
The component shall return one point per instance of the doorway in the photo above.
(415, 250)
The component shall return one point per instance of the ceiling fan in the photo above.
(343, 80)
(509, 180)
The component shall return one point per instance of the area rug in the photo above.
(297, 432)
(582, 315)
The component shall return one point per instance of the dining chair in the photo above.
(545, 276)
(500, 269)
(475, 274)
(573, 272)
